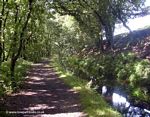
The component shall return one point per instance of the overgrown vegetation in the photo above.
(79, 34)
(123, 70)
(103, 68)
(23, 32)
(93, 104)
(5, 81)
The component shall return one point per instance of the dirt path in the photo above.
(44, 95)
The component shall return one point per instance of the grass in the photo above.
(5, 80)
(93, 104)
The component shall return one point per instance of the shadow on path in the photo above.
(44, 95)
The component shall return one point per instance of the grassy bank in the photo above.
(93, 104)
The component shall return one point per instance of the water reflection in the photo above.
(119, 100)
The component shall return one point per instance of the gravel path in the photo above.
(44, 95)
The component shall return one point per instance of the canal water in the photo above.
(118, 98)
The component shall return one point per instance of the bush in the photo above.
(123, 69)
(5, 80)
(131, 72)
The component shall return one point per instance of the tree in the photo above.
(18, 36)
(3, 19)
(22, 24)
(106, 13)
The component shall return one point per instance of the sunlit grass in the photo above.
(92, 103)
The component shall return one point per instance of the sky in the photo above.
(134, 24)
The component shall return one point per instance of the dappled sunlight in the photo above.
(109, 111)
(70, 90)
(25, 93)
(47, 66)
(28, 93)
(40, 107)
(63, 76)
(41, 83)
(37, 64)
(58, 72)
(41, 73)
(36, 78)
(19, 66)
(45, 92)
(74, 47)
(77, 88)
(94, 104)
(105, 112)
(101, 113)
(42, 90)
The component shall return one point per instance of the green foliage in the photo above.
(75, 53)
(92, 103)
(122, 69)
(96, 16)
(24, 31)
(134, 74)
(30, 30)
(5, 79)
(90, 67)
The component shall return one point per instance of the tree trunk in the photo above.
(0, 58)
(15, 55)
(1, 22)
(108, 29)
(99, 43)
(12, 70)
(3, 43)
(21, 42)
(109, 36)
(8, 53)
(1, 51)
(13, 47)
